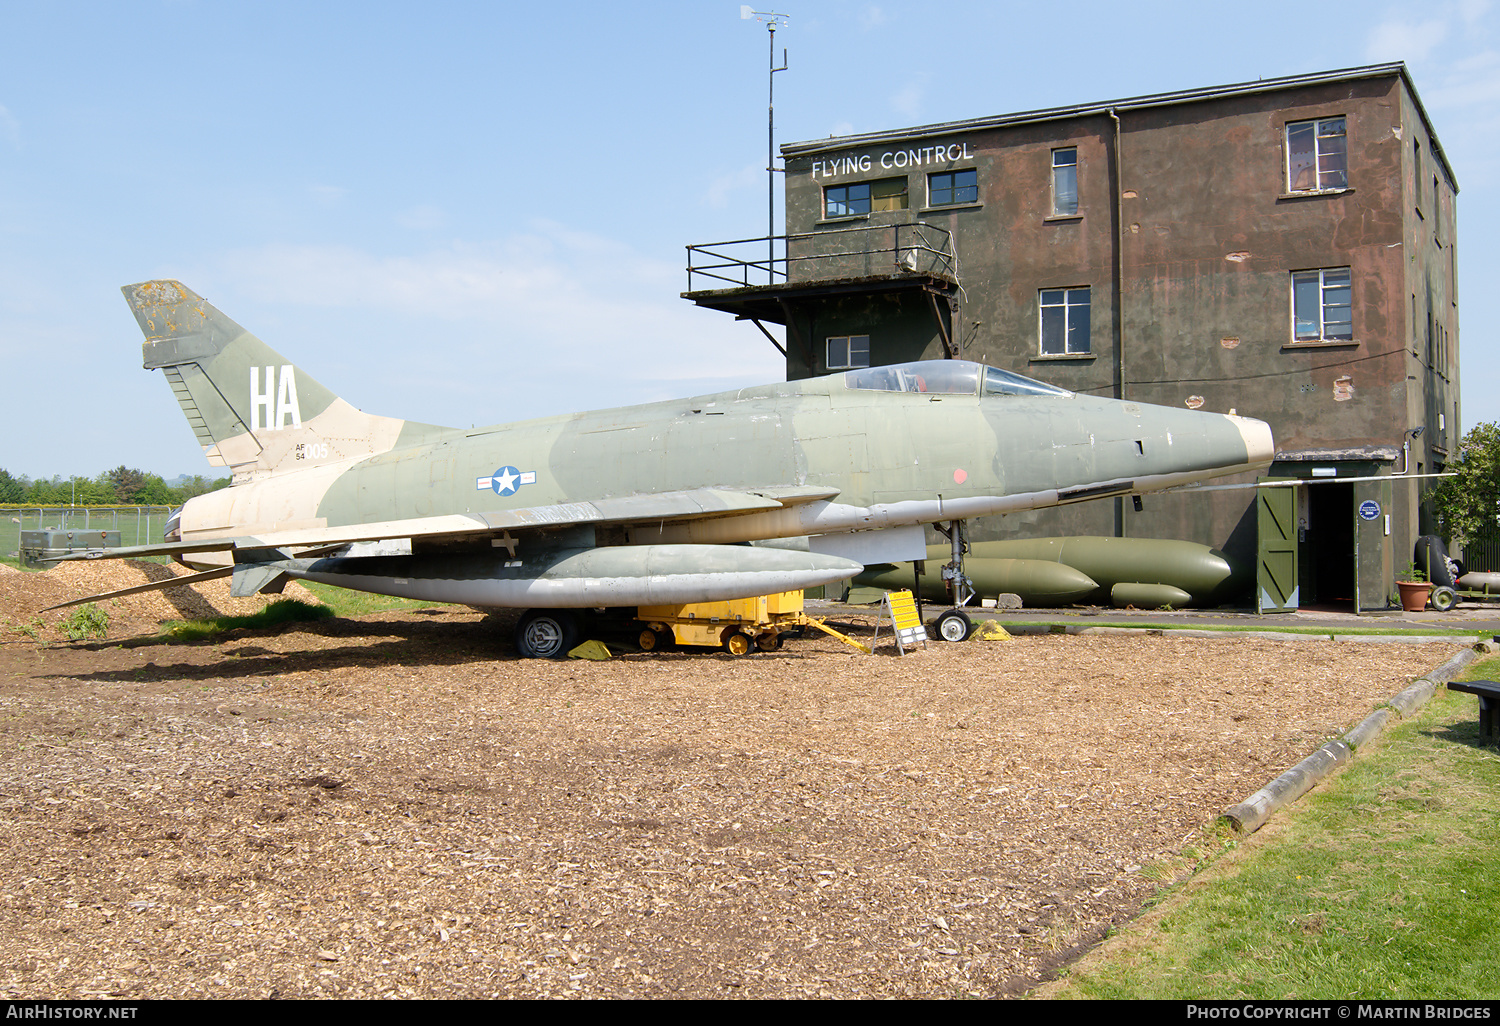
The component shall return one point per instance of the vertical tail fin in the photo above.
(252, 409)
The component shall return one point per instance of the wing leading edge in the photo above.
(546, 562)
(667, 507)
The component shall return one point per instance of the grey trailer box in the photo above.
(37, 547)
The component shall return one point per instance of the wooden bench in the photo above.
(1489, 704)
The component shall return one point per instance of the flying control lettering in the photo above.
(279, 408)
(914, 157)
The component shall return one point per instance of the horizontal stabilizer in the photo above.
(147, 551)
(175, 582)
(254, 579)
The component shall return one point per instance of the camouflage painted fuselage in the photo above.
(974, 454)
(647, 502)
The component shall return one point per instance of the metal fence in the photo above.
(914, 247)
(138, 525)
(1483, 553)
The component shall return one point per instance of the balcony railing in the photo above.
(916, 248)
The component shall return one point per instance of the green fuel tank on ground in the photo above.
(1038, 582)
(1142, 572)
(1204, 573)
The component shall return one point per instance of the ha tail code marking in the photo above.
(285, 391)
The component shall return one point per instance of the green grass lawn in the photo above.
(1382, 883)
(282, 611)
(344, 602)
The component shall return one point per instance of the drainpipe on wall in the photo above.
(1118, 270)
(1406, 440)
(1117, 273)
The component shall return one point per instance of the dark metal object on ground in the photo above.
(1489, 704)
(39, 548)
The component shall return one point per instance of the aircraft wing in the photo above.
(673, 507)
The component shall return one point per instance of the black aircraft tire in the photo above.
(1431, 552)
(954, 625)
(546, 634)
(1443, 599)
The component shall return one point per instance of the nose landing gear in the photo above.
(955, 625)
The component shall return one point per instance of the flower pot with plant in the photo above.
(1415, 589)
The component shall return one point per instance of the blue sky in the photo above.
(469, 213)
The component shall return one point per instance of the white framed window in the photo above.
(846, 351)
(1065, 182)
(1064, 321)
(1321, 308)
(1317, 155)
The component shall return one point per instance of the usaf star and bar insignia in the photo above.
(505, 481)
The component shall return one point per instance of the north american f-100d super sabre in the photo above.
(641, 505)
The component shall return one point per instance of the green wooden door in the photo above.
(1276, 565)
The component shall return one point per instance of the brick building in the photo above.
(1284, 249)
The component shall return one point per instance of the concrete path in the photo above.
(1466, 617)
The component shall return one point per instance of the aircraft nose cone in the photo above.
(1259, 447)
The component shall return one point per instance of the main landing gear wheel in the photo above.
(954, 625)
(736, 643)
(547, 633)
(657, 641)
(1443, 599)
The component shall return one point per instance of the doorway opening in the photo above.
(1326, 547)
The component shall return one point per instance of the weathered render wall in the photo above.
(1187, 235)
(1430, 242)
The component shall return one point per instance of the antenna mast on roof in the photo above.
(772, 20)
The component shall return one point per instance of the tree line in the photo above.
(123, 486)
(1468, 504)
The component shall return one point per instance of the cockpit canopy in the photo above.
(948, 377)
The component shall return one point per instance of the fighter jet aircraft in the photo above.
(641, 505)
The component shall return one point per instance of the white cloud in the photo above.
(725, 186)
(1471, 81)
(907, 101)
(1398, 40)
(446, 284)
(1472, 10)
(328, 195)
(561, 316)
(871, 18)
(1416, 38)
(423, 217)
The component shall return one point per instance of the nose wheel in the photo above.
(954, 625)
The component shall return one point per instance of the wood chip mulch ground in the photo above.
(395, 805)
